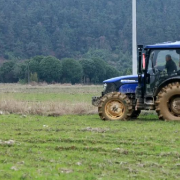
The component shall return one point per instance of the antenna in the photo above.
(134, 39)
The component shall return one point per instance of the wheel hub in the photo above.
(175, 106)
(114, 109)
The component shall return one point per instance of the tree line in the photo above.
(79, 28)
(52, 70)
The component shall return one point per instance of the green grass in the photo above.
(55, 93)
(55, 97)
(84, 147)
(80, 147)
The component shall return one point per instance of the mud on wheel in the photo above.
(115, 106)
(168, 102)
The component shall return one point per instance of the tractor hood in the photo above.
(124, 79)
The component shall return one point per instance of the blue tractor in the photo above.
(156, 87)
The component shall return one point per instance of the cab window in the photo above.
(159, 58)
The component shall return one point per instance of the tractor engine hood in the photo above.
(123, 79)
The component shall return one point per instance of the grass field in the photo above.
(48, 99)
(82, 146)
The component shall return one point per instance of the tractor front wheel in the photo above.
(115, 106)
(168, 102)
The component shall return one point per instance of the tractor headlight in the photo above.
(105, 86)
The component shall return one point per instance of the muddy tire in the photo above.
(168, 102)
(115, 106)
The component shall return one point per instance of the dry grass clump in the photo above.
(46, 108)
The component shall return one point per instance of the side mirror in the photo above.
(140, 46)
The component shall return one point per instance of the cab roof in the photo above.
(165, 45)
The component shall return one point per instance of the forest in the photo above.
(81, 30)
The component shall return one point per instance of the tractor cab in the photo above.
(161, 67)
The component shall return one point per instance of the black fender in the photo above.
(166, 82)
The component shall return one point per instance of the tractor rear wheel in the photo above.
(168, 102)
(115, 106)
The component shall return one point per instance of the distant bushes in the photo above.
(52, 70)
